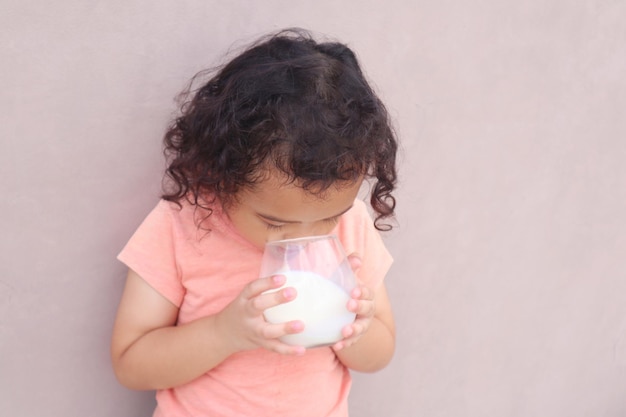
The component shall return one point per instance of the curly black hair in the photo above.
(286, 102)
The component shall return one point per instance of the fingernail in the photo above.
(289, 293)
(297, 326)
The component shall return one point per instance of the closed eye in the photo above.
(271, 226)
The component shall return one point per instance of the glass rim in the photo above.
(302, 239)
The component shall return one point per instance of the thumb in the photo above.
(355, 261)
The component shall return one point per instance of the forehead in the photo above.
(276, 196)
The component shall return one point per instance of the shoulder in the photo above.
(188, 219)
(357, 217)
(358, 235)
(359, 210)
(354, 225)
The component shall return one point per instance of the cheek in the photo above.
(323, 228)
(257, 235)
(250, 229)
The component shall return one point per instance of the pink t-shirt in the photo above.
(201, 272)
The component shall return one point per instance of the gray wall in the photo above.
(509, 280)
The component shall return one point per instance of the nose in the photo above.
(307, 229)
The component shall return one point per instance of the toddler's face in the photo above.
(274, 210)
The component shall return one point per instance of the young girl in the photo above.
(275, 145)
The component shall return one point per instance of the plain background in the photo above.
(509, 284)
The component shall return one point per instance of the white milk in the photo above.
(320, 304)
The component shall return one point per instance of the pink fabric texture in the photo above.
(201, 270)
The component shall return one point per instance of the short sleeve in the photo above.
(358, 235)
(151, 252)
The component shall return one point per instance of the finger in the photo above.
(347, 331)
(271, 299)
(355, 261)
(353, 305)
(356, 328)
(359, 327)
(362, 292)
(261, 285)
(362, 308)
(275, 331)
(285, 349)
(349, 337)
(276, 345)
(339, 345)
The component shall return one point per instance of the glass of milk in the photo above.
(318, 268)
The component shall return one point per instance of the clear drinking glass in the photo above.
(318, 268)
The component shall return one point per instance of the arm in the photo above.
(370, 341)
(149, 351)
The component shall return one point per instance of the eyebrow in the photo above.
(278, 220)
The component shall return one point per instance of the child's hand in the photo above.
(363, 304)
(242, 321)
